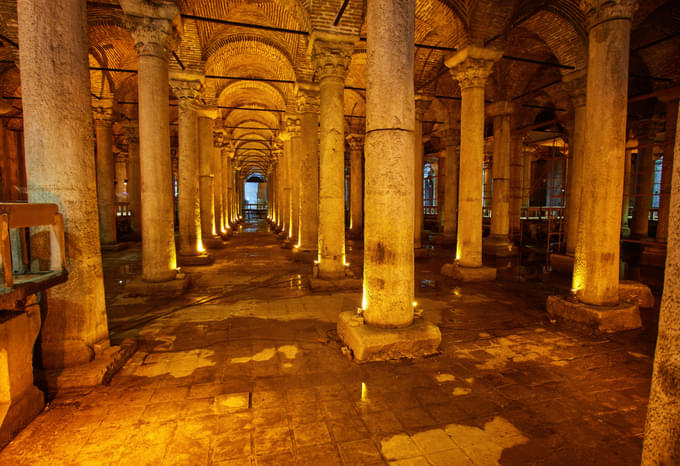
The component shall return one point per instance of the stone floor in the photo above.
(246, 369)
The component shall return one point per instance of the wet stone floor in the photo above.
(246, 369)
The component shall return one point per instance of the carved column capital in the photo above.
(356, 142)
(331, 54)
(102, 111)
(646, 130)
(450, 137)
(155, 26)
(187, 89)
(599, 11)
(422, 103)
(308, 98)
(472, 65)
(293, 127)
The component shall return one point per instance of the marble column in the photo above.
(422, 103)
(120, 164)
(498, 242)
(155, 32)
(60, 169)
(451, 139)
(645, 131)
(663, 412)
(188, 203)
(388, 279)
(596, 266)
(667, 169)
(218, 182)
(228, 189)
(575, 82)
(470, 67)
(286, 184)
(293, 128)
(106, 189)
(331, 55)
(627, 182)
(356, 154)
(516, 167)
(206, 160)
(280, 168)
(308, 107)
(133, 187)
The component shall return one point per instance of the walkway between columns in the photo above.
(246, 369)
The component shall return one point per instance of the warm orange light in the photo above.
(199, 246)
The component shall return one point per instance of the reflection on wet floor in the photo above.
(246, 368)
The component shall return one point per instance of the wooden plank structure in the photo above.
(16, 287)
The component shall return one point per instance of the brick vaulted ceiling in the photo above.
(258, 67)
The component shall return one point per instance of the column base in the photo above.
(598, 319)
(653, 254)
(213, 243)
(19, 412)
(114, 247)
(342, 280)
(369, 343)
(421, 253)
(226, 235)
(287, 244)
(282, 234)
(176, 287)
(445, 240)
(498, 246)
(631, 292)
(307, 256)
(469, 274)
(190, 259)
(562, 262)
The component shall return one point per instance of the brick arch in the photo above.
(237, 93)
(565, 37)
(236, 117)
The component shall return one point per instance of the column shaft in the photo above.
(576, 173)
(644, 181)
(106, 193)
(133, 187)
(356, 145)
(206, 177)
(451, 138)
(218, 184)
(515, 184)
(667, 169)
(308, 106)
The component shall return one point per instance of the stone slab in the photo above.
(631, 292)
(202, 259)
(176, 287)
(213, 243)
(498, 247)
(469, 274)
(598, 319)
(319, 284)
(100, 370)
(370, 343)
(562, 263)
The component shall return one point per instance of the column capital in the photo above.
(102, 111)
(293, 127)
(422, 103)
(599, 11)
(575, 83)
(187, 87)
(450, 136)
(472, 65)
(308, 98)
(355, 141)
(331, 54)
(131, 128)
(155, 26)
(500, 108)
(207, 111)
(646, 130)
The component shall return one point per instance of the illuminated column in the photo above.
(133, 188)
(667, 169)
(470, 67)
(645, 131)
(218, 181)
(106, 194)
(308, 106)
(451, 138)
(663, 413)
(596, 266)
(188, 205)
(627, 182)
(206, 170)
(516, 167)
(498, 242)
(228, 186)
(120, 164)
(285, 189)
(331, 54)
(277, 152)
(293, 128)
(576, 85)
(60, 169)
(356, 148)
(422, 103)
(154, 30)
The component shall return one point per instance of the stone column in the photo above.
(595, 280)
(280, 163)
(528, 158)
(191, 248)
(60, 169)
(645, 131)
(667, 169)
(331, 54)
(663, 412)
(293, 128)
(498, 242)
(154, 30)
(133, 188)
(228, 154)
(308, 107)
(625, 205)
(106, 189)
(451, 138)
(120, 163)
(470, 67)
(229, 181)
(356, 154)
(516, 167)
(218, 182)
(286, 183)
(206, 161)
(575, 83)
(422, 103)
(389, 173)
